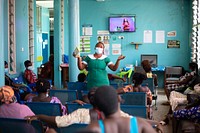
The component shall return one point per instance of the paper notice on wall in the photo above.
(106, 49)
(116, 49)
(147, 36)
(160, 36)
(87, 30)
(85, 44)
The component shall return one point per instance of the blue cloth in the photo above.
(133, 125)
(101, 126)
(66, 59)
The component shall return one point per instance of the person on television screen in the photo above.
(126, 26)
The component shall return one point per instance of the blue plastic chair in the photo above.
(71, 128)
(64, 95)
(150, 83)
(74, 106)
(134, 110)
(51, 109)
(134, 98)
(79, 86)
(12, 125)
(117, 85)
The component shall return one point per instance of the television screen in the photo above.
(122, 24)
(152, 59)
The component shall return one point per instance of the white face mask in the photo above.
(98, 50)
(6, 70)
(30, 68)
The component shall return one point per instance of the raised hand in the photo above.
(121, 57)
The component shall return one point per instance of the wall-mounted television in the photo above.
(122, 24)
(153, 59)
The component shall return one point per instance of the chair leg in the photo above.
(156, 103)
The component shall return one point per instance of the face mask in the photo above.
(6, 70)
(30, 68)
(98, 50)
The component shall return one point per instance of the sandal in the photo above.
(164, 122)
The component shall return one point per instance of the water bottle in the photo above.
(136, 63)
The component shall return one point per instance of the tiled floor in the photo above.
(162, 110)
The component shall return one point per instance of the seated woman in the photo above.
(192, 110)
(137, 79)
(9, 108)
(175, 97)
(20, 90)
(42, 87)
(184, 80)
(147, 68)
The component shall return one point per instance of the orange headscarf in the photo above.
(7, 94)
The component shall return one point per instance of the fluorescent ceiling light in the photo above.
(100, 0)
(46, 4)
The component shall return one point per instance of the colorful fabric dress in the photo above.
(172, 87)
(97, 74)
(192, 114)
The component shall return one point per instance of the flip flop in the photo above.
(162, 123)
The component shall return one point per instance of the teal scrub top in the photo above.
(97, 74)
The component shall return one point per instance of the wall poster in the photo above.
(173, 44)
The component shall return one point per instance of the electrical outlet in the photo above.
(121, 37)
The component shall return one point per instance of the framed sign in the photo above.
(173, 44)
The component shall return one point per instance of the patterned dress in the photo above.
(177, 86)
(190, 114)
(97, 74)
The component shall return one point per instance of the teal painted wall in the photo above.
(167, 15)
(5, 21)
(66, 28)
(21, 20)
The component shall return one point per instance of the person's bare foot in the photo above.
(166, 103)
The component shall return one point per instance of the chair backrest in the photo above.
(13, 125)
(118, 85)
(71, 128)
(76, 86)
(79, 86)
(150, 83)
(134, 98)
(134, 110)
(174, 71)
(64, 95)
(74, 106)
(51, 109)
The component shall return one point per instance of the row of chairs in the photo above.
(54, 109)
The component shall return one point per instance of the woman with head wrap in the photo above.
(9, 107)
